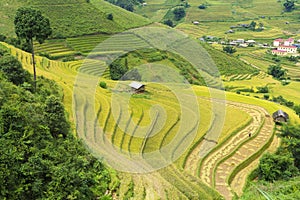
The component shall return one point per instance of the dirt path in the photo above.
(215, 170)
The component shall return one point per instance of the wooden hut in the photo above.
(280, 116)
(137, 87)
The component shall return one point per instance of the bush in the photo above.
(229, 49)
(110, 16)
(179, 13)
(169, 23)
(202, 6)
(103, 85)
(264, 89)
(266, 96)
(275, 167)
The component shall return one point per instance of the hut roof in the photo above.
(280, 113)
(136, 85)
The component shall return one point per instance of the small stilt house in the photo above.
(280, 116)
(137, 87)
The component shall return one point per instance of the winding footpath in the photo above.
(217, 165)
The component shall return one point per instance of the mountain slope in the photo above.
(73, 17)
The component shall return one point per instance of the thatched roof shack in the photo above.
(137, 87)
(280, 116)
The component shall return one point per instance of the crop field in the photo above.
(73, 18)
(137, 127)
(157, 9)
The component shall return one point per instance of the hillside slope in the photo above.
(73, 17)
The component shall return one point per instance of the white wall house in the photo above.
(284, 47)
(277, 42)
(288, 42)
(279, 52)
(288, 49)
(281, 42)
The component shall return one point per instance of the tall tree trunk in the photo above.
(33, 64)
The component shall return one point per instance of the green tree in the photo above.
(276, 71)
(179, 13)
(110, 16)
(276, 167)
(252, 25)
(13, 70)
(169, 22)
(289, 5)
(55, 117)
(297, 109)
(117, 69)
(30, 24)
(229, 49)
(291, 138)
(202, 6)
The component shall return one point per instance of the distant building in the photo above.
(284, 47)
(288, 49)
(250, 41)
(137, 87)
(279, 52)
(196, 22)
(282, 42)
(243, 45)
(280, 116)
(240, 41)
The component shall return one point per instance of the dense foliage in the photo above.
(229, 49)
(123, 67)
(229, 65)
(39, 157)
(179, 13)
(126, 4)
(277, 71)
(285, 163)
(30, 24)
(289, 5)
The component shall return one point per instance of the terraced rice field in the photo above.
(187, 160)
(56, 49)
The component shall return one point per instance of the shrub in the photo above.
(264, 89)
(110, 16)
(103, 85)
(169, 23)
(266, 96)
(202, 6)
(179, 13)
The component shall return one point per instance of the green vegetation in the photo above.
(229, 49)
(126, 4)
(289, 5)
(38, 148)
(179, 13)
(31, 25)
(229, 65)
(284, 164)
(276, 71)
(143, 57)
(37, 137)
(73, 17)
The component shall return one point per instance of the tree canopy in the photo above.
(289, 5)
(276, 71)
(31, 24)
(35, 162)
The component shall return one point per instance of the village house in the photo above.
(282, 42)
(137, 87)
(284, 47)
(250, 41)
(288, 49)
(280, 116)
